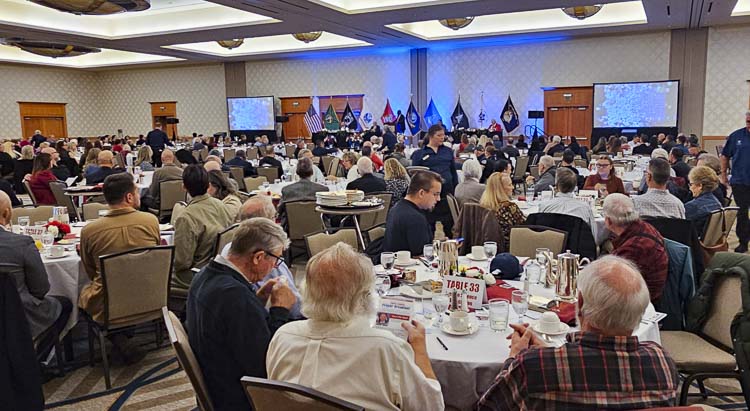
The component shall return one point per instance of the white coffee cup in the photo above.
(57, 251)
(459, 321)
(403, 257)
(549, 323)
(477, 252)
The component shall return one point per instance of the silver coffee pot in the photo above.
(568, 266)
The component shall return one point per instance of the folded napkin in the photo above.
(566, 311)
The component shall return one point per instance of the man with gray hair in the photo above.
(302, 190)
(658, 201)
(565, 201)
(470, 190)
(367, 181)
(547, 172)
(329, 351)
(603, 366)
(227, 322)
(637, 241)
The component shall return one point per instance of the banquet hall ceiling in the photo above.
(177, 30)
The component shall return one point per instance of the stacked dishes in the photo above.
(338, 198)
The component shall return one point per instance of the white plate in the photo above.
(565, 328)
(473, 326)
(409, 264)
(408, 291)
(49, 257)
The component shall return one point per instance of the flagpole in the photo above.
(481, 109)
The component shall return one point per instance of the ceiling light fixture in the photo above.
(95, 7)
(49, 49)
(231, 44)
(308, 37)
(457, 23)
(582, 12)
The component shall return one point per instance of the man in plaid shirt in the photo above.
(601, 367)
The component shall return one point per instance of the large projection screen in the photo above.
(251, 113)
(636, 105)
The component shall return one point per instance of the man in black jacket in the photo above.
(367, 181)
(157, 140)
(240, 161)
(269, 158)
(227, 322)
(681, 169)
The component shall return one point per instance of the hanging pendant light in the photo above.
(95, 7)
(582, 12)
(308, 37)
(456, 23)
(49, 49)
(231, 44)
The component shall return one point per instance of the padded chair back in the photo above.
(177, 210)
(228, 154)
(310, 146)
(197, 155)
(302, 219)
(58, 190)
(580, 240)
(725, 304)
(327, 160)
(171, 193)
(524, 240)
(413, 170)
(534, 171)
(730, 216)
(333, 167)
(252, 153)
(522, 163)
(204, 154)
(290, 151)
(321, 240)
(454, 207)
(476, 225)
(27, 187)
(376, 233)
(185, 356)
(713, 232)
(135, 296)
(91, 210)
(225, 237)
(253, 183)
(40, 213)
(580, 163)
(267, 395)
(238, 174)
(270, 173)
(367, 221)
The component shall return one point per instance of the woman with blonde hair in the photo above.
(497, 198)
(703, 181)
(396, 179)
(144, 158)
(92, 164)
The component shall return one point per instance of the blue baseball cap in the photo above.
(506, 266)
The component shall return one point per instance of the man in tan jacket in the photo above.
(123, 228)
(168, 171)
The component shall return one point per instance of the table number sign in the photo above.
(474, 288)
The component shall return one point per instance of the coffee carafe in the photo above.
(568, 266)
(447, 254)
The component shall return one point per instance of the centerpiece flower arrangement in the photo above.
(57, 229)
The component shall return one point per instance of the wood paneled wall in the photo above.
(49, 118)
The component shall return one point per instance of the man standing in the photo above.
(737, 148)
(658, 201)
(157, 140)
(407, 227)
(439, 159)
(122, 228)
(37, 138)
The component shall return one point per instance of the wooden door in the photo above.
(296, 127)
(579, 123)
(556, 122)
(49, 118)
(567, 112)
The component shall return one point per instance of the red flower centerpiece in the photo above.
(58, 229)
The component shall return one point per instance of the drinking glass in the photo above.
(499, 309)
(541, 256)
(47, 240)
(520, 301)
(382, 285)
(24, 221)
(428, 252)
(387, 260)
(533, 272)
(441, 304)
(490, 249)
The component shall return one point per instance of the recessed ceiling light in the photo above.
(106, 58)
(742, 8)
(368, 6)
(95, 7)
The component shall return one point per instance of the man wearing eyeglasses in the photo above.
(407, 227)
(227, 322)
(737, 148)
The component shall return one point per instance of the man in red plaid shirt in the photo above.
(601, 367)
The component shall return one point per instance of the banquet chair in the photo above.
(580, 163)
(730, 217)
(321, 240)
(580, 239)
(252, 153)
(367, 221)
(310, 146)
(270, 173)
(238, 174)
(131, 297)
(333, 168)
(197, 155)
(327, 160)
(253, 183)
(203, 154)
(40, 213)
(476, 225)
(525, 239)
(225, 237)
(534, 170)
(58, 190)
(411, 170)
(519, 172)
(302, 219)
(27, 187)
(268, 395)
(171, 193)
(706, 349)
(91, 210)
(453, 206)
(374, 233)
(228, 154)
(177, 210)
(289, 150)
(178, 337)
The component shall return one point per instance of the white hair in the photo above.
(660, 153)
(258, 206)
(364, 166)
(256, 234)
(620, 209)
(338, 285)
(614, 294)
(547, 162)
(556, 139)
(472, 169)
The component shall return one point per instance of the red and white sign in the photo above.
(474, 288)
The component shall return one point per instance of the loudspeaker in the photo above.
(173, 120)
(282, 119)
(536, 114)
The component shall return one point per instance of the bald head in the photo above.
(258, 206)
(212, 165)
(167, 157)
(5, 208)
(105, 158)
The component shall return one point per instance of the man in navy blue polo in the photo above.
(737, 148)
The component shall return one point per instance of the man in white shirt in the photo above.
(565, 201)
(337, 352)
(658, 201)
(317, 177)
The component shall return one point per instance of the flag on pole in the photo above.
(312, 120)
(459, 118)
(510, 116)
(388, 117)
(348, 120)
(331, 120)
(413, 122)
(365, 116)
(482, 115)
(431, 115)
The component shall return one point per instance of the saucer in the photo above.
(49, 257)
(409, 264)
(564, 329)
(471, 257)
(473, 327)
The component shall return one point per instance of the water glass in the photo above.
(533, 272)
(490, 249)
(24, 221)
(541, 256)
(47, 240)
(441, 304)
(387, 260)
(499, 309)
(382, 285)
(428, 252)
(520, 301)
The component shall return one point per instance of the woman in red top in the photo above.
(604, 178)
(41, 176)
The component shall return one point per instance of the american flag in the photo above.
(313, 121)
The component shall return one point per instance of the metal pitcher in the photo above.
(568, 266)
(447, 254)
(550, 278)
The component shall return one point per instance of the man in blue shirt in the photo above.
(439, 158)
(737, 148)
(157, 140)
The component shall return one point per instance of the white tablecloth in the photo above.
(470, 364)
(601, 232)
(67, 278)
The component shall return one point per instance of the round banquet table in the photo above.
(354, 213)
(601, 233)
(472, 362)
